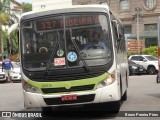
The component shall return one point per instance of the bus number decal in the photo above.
(59, 61)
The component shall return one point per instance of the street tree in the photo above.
(26, 7)
(4, 20)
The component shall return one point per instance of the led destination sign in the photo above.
(57, 23)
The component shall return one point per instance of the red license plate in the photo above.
(69, 98)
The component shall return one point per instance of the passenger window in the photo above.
(141, 58)
(135, 58)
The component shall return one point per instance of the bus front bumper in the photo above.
(100, 95)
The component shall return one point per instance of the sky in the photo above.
(26, 1)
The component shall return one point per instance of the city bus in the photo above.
(58, 71)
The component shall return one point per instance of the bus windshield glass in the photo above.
(66, 41)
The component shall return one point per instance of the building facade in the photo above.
(136, 15)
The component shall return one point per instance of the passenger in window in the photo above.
(95, 42)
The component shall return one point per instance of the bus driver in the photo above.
(95, 42)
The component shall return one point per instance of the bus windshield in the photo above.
(66, 41)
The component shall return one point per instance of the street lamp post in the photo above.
(138, 10)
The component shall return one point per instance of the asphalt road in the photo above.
(143, 96)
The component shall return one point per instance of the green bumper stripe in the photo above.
(71, 83)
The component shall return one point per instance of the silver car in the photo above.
(2, 74)
(16, 72)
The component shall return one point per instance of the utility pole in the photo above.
(138, 10)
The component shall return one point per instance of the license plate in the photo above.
(141, 69)
(1, 76)
(69, 98)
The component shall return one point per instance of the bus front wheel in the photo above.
(46, 111)
(116, 106)
(124, 97)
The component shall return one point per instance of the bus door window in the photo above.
(122, 38)
(115, 34)
(119, 41)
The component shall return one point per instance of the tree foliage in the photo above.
(26, 7)
(4, 19)
(14, 41)
(153, 50)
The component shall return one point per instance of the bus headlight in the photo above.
(29, 88)
(109, 80)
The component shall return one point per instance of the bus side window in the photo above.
(121, 39)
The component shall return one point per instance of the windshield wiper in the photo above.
(84, 62)
(51, 57)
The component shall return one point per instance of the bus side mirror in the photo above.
(117, 26)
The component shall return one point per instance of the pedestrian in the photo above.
(6, 66)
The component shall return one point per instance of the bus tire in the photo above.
(116, 106)
(124, 97)
(46, 111)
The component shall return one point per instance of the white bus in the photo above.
(58, 70)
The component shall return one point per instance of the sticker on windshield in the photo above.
(59, 61)
(60, 53)
(72, 56)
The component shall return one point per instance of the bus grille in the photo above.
(80, 99)
(63, 89)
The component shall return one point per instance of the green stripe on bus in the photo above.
(61, 84)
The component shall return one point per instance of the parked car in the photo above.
(16, 72)
(135, 68)
(150, 63)
(2, 74)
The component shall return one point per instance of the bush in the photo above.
(14, 40)
(131, 53)
(153, 50)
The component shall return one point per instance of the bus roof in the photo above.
(61, 7)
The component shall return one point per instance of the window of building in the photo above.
(127, 29)
(150, 27)
(149, 4)
(151, 42)
(124, 5)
